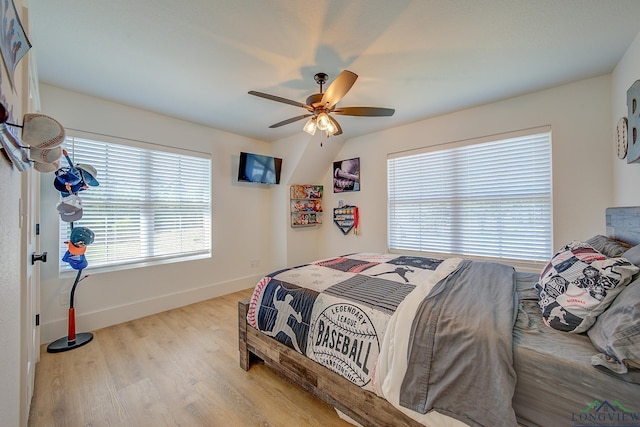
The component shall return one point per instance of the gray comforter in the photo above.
(460, 355)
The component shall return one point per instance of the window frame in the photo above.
(522, 264)
(116, 265)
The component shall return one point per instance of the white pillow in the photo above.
(578, 284)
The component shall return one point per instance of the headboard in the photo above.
(624, 224)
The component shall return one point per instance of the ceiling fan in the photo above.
(321, 106)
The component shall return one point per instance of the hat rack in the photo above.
(75, 257)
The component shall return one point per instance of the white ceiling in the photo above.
(197, 59)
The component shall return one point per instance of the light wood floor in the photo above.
(177, 368)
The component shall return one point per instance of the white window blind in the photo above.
(151, 205)
(488, 199)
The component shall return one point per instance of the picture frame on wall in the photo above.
(14, 43)
(346, 175)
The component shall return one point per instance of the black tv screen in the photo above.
(259, 168)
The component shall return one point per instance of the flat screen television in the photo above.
(259, 168)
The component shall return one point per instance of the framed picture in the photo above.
(346, 175)
(14, 43)
(305, 219)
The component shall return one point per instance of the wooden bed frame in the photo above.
(361, 405)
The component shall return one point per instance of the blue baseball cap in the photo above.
(89, 174)
(77, 262)
(68, 180)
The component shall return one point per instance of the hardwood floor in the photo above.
(177, 368)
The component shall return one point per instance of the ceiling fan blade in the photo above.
(337, 125)
(365, 111)
(278, 99)
(291, 120)
(338, 88)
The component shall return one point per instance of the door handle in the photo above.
(35, 257)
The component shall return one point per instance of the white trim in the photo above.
(91, 321)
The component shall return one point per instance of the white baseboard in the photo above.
(55, 329)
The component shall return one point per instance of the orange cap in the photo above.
(74, 250)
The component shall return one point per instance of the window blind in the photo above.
(488, 199)
(151, 205)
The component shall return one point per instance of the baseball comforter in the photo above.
(423, 333)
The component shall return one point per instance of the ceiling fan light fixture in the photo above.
(323, 121)
(310, 126)
(331, 128)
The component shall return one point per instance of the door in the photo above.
(30, 294)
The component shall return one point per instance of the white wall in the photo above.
(626, 177)
(579, 115)
(241, 229)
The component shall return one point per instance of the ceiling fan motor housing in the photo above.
(314, 100)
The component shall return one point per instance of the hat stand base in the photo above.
(72, 340)
(63, 344)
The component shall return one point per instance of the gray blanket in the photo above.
(460, 361)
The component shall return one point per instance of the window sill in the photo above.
(65, 274)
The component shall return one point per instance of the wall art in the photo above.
(346, 175)
(633, 123)
(13, 40)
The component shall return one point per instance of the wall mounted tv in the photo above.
(259, 168)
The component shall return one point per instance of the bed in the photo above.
(389, 339)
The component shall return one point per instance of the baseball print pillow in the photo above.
(578, 284)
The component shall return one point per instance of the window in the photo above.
(150, 205)
(488, 197)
